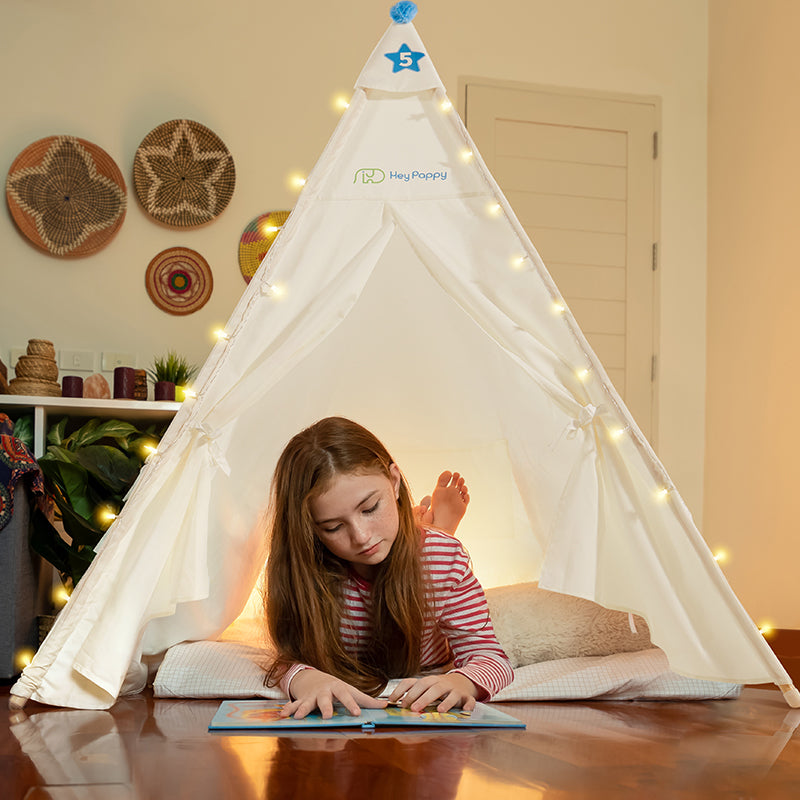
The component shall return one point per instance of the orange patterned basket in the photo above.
(67, 195)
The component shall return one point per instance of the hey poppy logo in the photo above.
(375, 175)
(405, 58)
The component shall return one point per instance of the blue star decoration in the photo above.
(405, 58)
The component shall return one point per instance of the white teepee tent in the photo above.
(401, 224)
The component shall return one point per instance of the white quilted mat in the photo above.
(234, 670)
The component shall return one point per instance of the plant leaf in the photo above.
(79, 560)
(109, 466)
(80, 530)
(56, 453)
(73, 481)
(82, 435)
(116, 429)
(23, 430)
(47, 542)
(55, 435)
(172, 367)
(91, 433)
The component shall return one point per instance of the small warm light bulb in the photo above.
(189, 393)
(148, 450)
(297, 181)
(275, 290)
(617, 433)
(446, 105)
(221, 334)
(663, 494)
(765, 628)
(721, 556)
(518, 262)
(106, 515)
(23, 657)
(494, 209)
(467, 155)
(267, 228)
(59, 596)
(341, 102)
(583, 374)
(560, 308)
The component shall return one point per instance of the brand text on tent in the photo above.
(417, 176)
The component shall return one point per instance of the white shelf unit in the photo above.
(43, 407)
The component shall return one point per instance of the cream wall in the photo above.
(752, 500)
(261, 75)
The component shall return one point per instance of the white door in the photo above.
(580, 172)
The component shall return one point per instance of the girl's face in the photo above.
(357, 519)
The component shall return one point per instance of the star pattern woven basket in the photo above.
(183, 174)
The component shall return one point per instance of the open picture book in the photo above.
(265, 714)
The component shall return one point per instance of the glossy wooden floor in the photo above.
(148, 749)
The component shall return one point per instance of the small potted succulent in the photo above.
(171, 376)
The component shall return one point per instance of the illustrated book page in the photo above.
(265, 714)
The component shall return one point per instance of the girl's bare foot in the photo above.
(445, 508)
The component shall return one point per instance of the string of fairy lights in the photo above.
(663, 490)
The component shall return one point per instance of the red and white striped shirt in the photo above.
(458, 627)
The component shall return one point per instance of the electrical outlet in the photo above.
(77, 360)
(112, 360)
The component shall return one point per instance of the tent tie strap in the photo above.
(210, 437)
(586, 417)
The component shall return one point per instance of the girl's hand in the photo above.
(314, 689)
(452, 688)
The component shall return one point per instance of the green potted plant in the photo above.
(88, 474)
(171, 369)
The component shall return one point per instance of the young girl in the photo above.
(358, 593)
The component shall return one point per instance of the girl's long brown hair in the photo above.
(304, 579)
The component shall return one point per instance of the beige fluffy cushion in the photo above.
(534, 625)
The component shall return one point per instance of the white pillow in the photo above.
(214, 669)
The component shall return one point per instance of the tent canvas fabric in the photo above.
(403, 293)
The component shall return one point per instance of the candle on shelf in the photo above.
(72, 386)
(124, 383)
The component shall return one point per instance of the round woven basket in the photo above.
(38, 368)
(179, 280)
(41, 347)
(256, 240)
(183, 174)
(34, 388)
(66, 195)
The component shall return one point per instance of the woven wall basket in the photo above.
(183, 174)
(179, 280)
(66, 195)
(256, 240)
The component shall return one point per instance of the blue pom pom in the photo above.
(404, 11)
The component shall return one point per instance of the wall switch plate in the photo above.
(112, 360)
(77, 360)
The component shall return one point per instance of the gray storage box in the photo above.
(23, 590)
